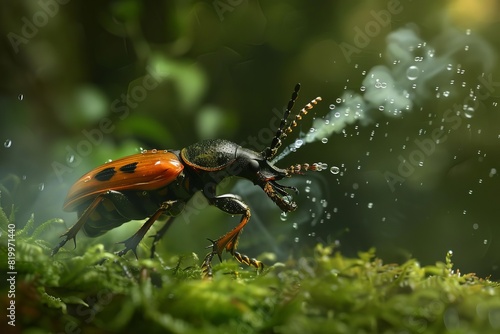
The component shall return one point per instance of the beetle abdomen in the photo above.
(114, 211)
(97, 224)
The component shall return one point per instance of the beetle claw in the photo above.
(124, 251)
(130, 244)
(215, 248)
(212, 245)
(206, 266)
(62, 243)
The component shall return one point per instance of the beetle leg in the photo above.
(72, 231)
(132, 242)
(233, 205)
(160, 234)
(206, 266)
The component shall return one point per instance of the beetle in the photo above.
(156, 183)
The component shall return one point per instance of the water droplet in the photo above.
(41, 186)
(332, 106)
(307, 189)
(287, 199)
(298, 143)
(468, 112)
(295, 226)
(296, 239)
(381, 108)
(20, 97)
(284, 216)
(362, 88)
(467, 32)
(324, 140)
(334, 170)
(370, 205)
(7, 143)
(412, 72)
(70, 158)
(485, 241)
(475, 226)
(493, 171)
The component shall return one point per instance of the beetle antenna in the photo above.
(299, 116)
(283, 130)
(301, 168)
(271, 151)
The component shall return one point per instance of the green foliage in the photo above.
(99, 292)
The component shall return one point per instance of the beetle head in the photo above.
(255, 167)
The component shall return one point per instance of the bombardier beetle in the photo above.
(159, 183)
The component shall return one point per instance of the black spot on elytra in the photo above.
(105, 174)
(130, 168)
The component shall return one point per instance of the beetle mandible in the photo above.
(157, 183)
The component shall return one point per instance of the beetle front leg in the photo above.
(233, 205)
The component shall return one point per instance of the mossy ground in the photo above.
(324, 292)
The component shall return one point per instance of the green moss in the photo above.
(98, 292)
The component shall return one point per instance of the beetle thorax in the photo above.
(210, 155)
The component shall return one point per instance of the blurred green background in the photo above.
(87, 81)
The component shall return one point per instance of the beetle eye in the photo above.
(254, 166)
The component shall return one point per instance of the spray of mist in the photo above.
(410, 76)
